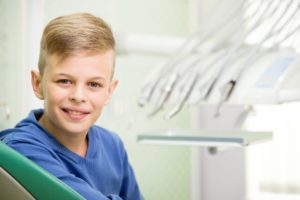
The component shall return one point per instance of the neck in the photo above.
(77, 143)
(78, 146)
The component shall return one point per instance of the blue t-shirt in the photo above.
(104, 173)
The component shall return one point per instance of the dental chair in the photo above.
(21, 179)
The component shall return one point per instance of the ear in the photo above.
(112, 87)
(37, 84)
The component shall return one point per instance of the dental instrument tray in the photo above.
(210, 138)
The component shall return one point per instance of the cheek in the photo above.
(99, 100)
(55, 95)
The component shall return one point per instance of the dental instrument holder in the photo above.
(229, 121)
(212, 135)
(208, 166)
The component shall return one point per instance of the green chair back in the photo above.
(20, 178)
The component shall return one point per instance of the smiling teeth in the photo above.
(75, 113)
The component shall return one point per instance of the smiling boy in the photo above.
(75, 81)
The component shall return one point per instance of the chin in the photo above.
(74, 132)
(77, 129)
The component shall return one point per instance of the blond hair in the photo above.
(75, 33)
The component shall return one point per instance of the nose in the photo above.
(77, 94)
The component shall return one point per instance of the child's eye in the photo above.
(95, 85)
(64, 81)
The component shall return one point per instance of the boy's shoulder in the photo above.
(27, 129)
(104, 132)
(28, 132)
(105, 135)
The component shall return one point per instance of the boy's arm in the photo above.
(45, 159)
(129, 189)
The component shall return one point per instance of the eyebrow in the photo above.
(93, 78)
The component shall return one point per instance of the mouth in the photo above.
(75, 114)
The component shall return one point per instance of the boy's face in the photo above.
(74, 91)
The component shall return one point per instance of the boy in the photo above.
(75, 81)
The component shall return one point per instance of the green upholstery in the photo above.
(38, 182)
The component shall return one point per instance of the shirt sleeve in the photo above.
(44, 158)
(129, 189)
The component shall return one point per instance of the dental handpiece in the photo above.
(183, 96)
